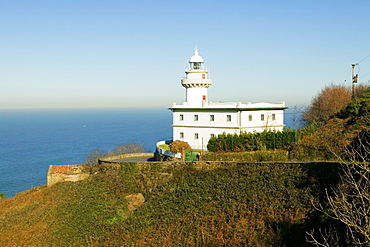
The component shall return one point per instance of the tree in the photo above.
(357, 108)
(297, 109)
(177, 146)
(329, 101)
(360, 89)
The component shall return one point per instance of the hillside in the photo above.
(212, 204)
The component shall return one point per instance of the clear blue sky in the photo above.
(88, 54)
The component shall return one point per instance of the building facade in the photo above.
(197, 119)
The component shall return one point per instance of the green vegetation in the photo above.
(221, 204)
(165, 147)
(340, 136)
(252, 156)
(218, 207)
(267, 140)
(329, 101)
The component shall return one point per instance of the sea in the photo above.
(31, 140)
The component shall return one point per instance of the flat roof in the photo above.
(234, 106)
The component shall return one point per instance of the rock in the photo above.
(134, 201)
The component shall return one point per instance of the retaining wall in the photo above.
(166, 152)
(123, 156)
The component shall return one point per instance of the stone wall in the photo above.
(123, 156)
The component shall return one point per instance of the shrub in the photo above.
(251, 156)
(177, 146)
(266, 140)
(128, 148)
(93, 156)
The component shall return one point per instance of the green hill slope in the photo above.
(209, 205)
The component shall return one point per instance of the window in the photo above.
(181, 135)
(212, 135)
(273, 117)
(195, 117)
(203, 76)
(262, 117)
(250, 119)
(196, 66)
(196, 136)
(212, 118)
(228, 118)
(181, 117)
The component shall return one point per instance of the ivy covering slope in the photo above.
(221, 204)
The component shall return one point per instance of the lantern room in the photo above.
(196, 61)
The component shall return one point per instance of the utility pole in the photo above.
(354, 80)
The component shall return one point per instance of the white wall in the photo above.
(220, 119)
(204, 134)
(204, 127)
(269, 123)
(194, 96)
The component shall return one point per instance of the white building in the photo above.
(197, 119)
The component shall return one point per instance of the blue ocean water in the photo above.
(31, 140)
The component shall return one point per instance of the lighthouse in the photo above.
(196, 82)
(198, 119)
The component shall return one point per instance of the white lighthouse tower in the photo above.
(198, 119)
(196, 82)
